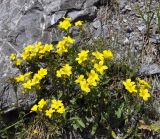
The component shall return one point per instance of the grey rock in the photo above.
(142, 29)
(122, 3)
(11, 100)
(71, 4)
(96, 24)
(90, 3)
(56, 16)
(155, 39)
(51, 6)
(88, 13)
(24, 22)
(150, 69)
(126, 41)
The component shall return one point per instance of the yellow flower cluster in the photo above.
(36, 51)
(23, 77)
(138, 88)
(85, 84)
(79, 23)
(56, 106)
(28, 82)
(82, 56)
(15, 60)
(65, 24)
(36, 79)
(64, 44)
(99, 67)
(66, 70)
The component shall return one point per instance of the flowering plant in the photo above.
(75, 89)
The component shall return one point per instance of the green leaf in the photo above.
(80, 122)
(75, 126)
(94, 128)
(119, 111)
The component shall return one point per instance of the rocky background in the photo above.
(24, 22)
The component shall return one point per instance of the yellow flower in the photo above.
(144, 94)
(91, 82)
(130, 86)
(12, 56)
(85, 86)
(48, 47)
(68, 39)
(34, 108)
(27, 74)
(59, 73)
(93, 75)
(20, 78)
(100, 67)
(36, 79)
(65, 24)
(82, 56)
(41, 104)
(61, 47)
(25, 55)
(35, 131)
(67, 69)
(61, 110)
(18, 62)
(79, 23)
(80, 78)
(28, 84)
(143, 84)
(107, 54)
(49, 112)
(98, 55)
(92, 78)
(56, 104)
(42, 72)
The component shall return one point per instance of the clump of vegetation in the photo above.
(79, 89)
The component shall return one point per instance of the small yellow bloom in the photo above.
(107, 54)
(12, 56)
(68, 39)
(79, 23)
(18, 62)
(35, 131)
(41, 104)
(98, 55)
(56, 104)
(49, 112)
(20, 78)
(65, 24)
(48, 47)
(144, 94)
(59, 73)
(100, 67)
(42, 72)
(130, 86)
(28, 84)
(80, 78)
(36, 79)
(61, 110)
(34, 108)
(82, 56)
(85, 86)
(67, 69)
(93, 75)
(143, 84)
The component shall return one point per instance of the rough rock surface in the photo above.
(24, 22)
